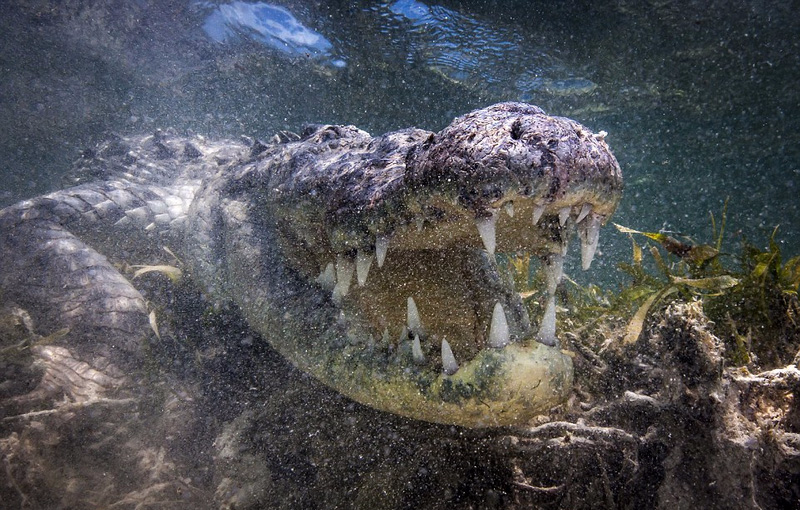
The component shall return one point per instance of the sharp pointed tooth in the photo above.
(344, 271)
(403, 334)
(547, 328)
(553, 270)
(344, 274)
(589, 232)
(509, 208)
(420, 223)
(416, 351)
(486, 228)
(327, 278)
(414, 322)
(499, 335)
(385, 337)
(563, 215)
(337, 295)
(363, 261)
(449, 364)
(381, 248)
(585, 209)
(537, 213)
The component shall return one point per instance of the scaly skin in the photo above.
(280, 229)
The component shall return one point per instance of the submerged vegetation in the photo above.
(751, 298)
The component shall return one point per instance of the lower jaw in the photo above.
(390, 362)
(505, 386)
(491, 385)
(499, 387)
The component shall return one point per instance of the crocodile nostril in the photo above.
(516, 130)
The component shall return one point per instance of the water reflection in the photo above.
(468, 51)
(270, 25)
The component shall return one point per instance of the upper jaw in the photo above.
(507, 178)
(513, 152)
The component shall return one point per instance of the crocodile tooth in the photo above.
(589, 232)
(547, 328)
(537, 213)
(416, 351)
(553, 270)
(585, 209)
(420, 223)
(337, 295)
(327, 278)
(363, 261)
(563, 215)
(385, 339)
(344, 273)
(381, 247)
(414, 322)
(449, 363)
(486, 228)
(509, 208)
(404, 334)
(499, 335)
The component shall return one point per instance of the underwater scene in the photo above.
(405, 254)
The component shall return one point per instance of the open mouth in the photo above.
(431, 296)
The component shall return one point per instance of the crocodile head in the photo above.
(376, 258)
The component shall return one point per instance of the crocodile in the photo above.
(368, 262)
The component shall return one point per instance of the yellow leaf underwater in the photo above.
(710, 283)
(695, 254)
(154, 323)
(171, 272)
(636, 324)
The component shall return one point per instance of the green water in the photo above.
(700, 100)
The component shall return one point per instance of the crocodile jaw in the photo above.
(380, 327)
(339, 341)
(397, 301)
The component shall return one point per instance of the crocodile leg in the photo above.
(66, 285)
(52, 272)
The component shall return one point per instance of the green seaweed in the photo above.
(759, 317)
(753, 305)
(751, 298)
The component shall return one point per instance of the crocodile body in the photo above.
(366, 261)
